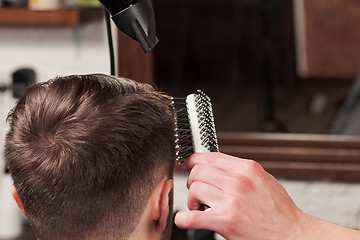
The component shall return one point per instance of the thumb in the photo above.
(194, 220)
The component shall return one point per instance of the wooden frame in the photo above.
(133, 62)
(298, 155)
(327, 40)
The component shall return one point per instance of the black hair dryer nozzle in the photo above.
(136, 19)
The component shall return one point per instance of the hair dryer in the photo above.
(135, 18)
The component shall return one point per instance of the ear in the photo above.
(17, 199)
(160, 208)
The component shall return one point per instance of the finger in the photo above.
(214, 159)
(222, 161)
(202, 194)
(209, 175)
(196, 220)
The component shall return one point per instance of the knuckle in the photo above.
(254, 167)
(195, 173)
(213, 157)
(241, 183)
(196, 170)
(195, 187)
(216, 154)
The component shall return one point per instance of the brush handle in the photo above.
(194, 124)
(202, 123)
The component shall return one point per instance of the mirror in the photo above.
(269, 66)
(276, 66)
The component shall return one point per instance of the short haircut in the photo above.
(85, 152)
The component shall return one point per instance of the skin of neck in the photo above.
(153, 221)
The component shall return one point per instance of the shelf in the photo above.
(59, 17)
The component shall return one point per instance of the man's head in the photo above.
(86, 154)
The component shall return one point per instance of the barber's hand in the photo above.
(245, 201)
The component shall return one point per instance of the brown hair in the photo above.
(85, 153)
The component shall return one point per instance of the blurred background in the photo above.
(283, 67)
(269, 65)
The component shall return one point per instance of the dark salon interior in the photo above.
(283, 78)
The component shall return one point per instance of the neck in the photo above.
(144, 230)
